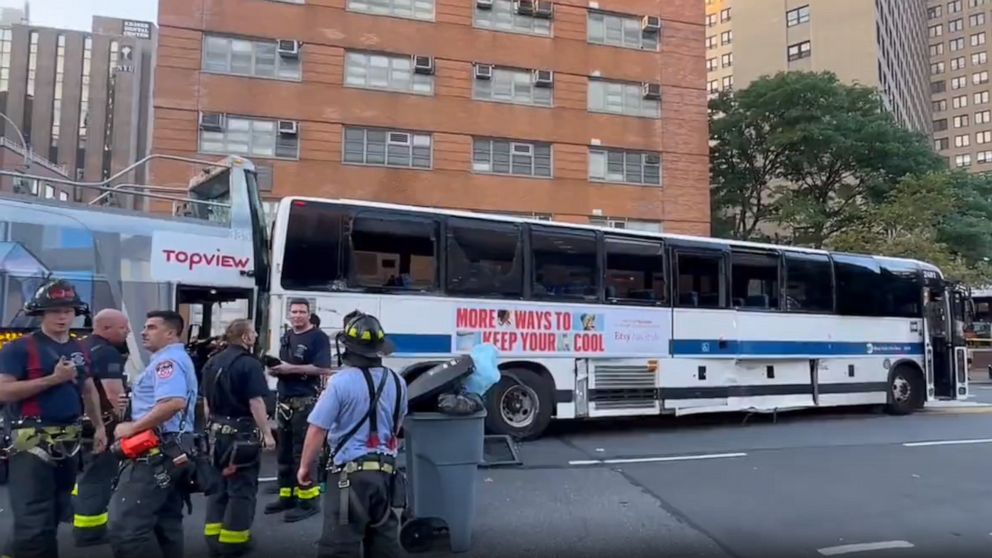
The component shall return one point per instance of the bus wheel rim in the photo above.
(518, 406)
(901, 388)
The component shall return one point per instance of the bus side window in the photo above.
(701, 280)
(565, 264)
(635, 271)
(754, 280)
(394, 252)
(311, 258)
(484, 258)
(858, 284)
(808, 283)
(901, 290)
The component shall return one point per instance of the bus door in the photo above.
(959, 342)
(944, 342)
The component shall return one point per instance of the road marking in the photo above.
(863, 547)
(655, 459)
(947, 443)
(267, 479)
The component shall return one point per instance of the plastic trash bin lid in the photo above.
(435, 381)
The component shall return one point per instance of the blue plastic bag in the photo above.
(485, 360)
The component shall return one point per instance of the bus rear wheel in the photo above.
(519, 405)
(905, 390)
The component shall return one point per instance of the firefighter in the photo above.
(234, 389)
(45, 385)
(359, 414)
(108, 355)
(306, 355)
(146, 510)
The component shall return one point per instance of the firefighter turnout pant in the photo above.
(146, 516)
(358, 518)
(40, 495)
(91, 498)
(292, 414)
(231, 511)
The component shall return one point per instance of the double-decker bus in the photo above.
(602, 322)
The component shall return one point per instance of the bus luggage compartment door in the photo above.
(620, 387)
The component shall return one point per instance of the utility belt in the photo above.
(373, 462)
(231, 426)
(50, 443)
(243, 448)
(289, 406)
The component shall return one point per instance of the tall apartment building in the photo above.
(959, 73)
(80, 100)
(877, 43)
(580, 111)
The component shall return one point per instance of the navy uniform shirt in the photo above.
(231, 379)
(310, 347)
(169, 375)
(106, 363)
(35, 356)
(345, 402)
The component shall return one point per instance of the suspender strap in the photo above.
(370, 416)
(222, 365)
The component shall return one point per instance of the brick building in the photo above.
(573, 110)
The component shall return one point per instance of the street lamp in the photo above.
(27, 150)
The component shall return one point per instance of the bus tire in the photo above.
(519, 405)
(905, 390)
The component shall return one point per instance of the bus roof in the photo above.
(579, 226)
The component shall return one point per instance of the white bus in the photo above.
(603, 322)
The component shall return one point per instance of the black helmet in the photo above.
(57, 293)
(363, 335)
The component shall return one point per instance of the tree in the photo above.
(808, 154)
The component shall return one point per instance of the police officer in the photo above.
(146, 510)
(108, 355)
(234, 390)
(360, 414)
(45, 385)
(306, 355)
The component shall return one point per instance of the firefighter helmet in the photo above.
(57, 293)
(363, 335)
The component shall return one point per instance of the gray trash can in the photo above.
(443, 454)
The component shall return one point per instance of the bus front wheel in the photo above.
(519, 405)
(905, 390)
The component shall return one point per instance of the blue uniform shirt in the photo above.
(23, 360)
(345, 402)
(169, 374)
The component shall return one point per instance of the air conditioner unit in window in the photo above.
(524, 7)
(544, 8)
(543, 78)
(652, 90)
(484, 4)
(288, 48)
(289, 127)
(652, 159)
(650, 24)
(423, 64)
(483, 71)
(213, 121)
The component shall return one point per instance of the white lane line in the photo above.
(267, 479)
(863, 547)
(655, 459)
(947, 443)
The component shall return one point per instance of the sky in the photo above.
(78, 14)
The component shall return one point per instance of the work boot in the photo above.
(280, 505)
(301, 512)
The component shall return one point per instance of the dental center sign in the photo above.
(198, 259)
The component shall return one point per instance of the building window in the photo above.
(713, 86)
(938, 106)
(412, 9)
(243, 57)
(941, 144)
(84, 98)
(940, 125)
(53, 151)
(962, 160)
(976, 20)
(518, 158)
(961, 121)
(501, 16)
(983, 157)
(963, 140)
(725, 15)
(385, 72)
(957, 63)
(955, 25)
(797, 16)
(938, 86)
(29, 93)
(513, 86)
(799, 50)
(975, 3)
(982, 138)
(616, 97)
(387, 148)
(628, 167)
(711, 64)
(936, 68)
(934, 12)
(937, 49)
(711, 20)
(726, 37)
(727, 59)
(728, 82)
(979, 58)
(6, 44)
(624, 31)
(711, 42)
(983, 117)
(936, 30)
(956, 44)
(981, 98)
(954, 6)
(249, 137)
(628, 224)
(959, 82)
(979, 78)
(960, 101)
(978, 39)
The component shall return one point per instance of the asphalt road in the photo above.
(808, 484)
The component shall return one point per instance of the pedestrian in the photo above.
(306, 355)
(146, 510)
(359, 415)
(91, 497)
(234, 390)
(45, 386)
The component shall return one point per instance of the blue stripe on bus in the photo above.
(417, 343)
(715, 347)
